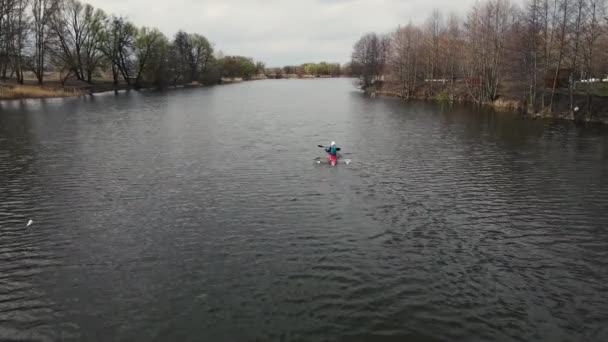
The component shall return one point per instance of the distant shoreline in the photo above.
(10, 91)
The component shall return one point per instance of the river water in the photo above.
(199, 215)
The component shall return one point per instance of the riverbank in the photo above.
(10, 90)
(14, 92)
(597, 113)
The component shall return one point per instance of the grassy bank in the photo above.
(596, 111)
(11, 92)
(52, 87)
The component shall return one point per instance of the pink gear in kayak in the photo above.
(332, 158)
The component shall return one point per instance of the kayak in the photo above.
(332, 158)
(328, 160)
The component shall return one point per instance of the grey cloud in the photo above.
(280, 32)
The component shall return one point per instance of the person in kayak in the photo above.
(332, 153)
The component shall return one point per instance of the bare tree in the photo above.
(13, 34)
(42, 12)
(404, 58)
(5, 9)
(531, 36)
(592, 31)
(453, 51)
(369, 57)
(580, 7)
(118, 46)
(399, 59)
(434, 31)
(260, 67)
(92, 54)
(148, 44)
(549, 20)
(564, 8)
(194, 53)
(78, 32)
(487, 28)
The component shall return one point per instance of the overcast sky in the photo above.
(280, 32)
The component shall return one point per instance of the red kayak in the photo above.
(332, 159)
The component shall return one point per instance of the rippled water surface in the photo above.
(199, 215)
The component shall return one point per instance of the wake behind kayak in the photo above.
(323, 161)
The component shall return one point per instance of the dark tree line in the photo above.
(321, 69)
(77, 41)
(240, 67)
(538, 53)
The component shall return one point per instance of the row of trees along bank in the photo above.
(72, 40)
(545, 56)
(322, 69)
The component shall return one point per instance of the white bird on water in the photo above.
(29, 223)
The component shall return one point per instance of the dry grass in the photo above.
(506, 104)
(31, 91)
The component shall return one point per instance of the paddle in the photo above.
(337, 149)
